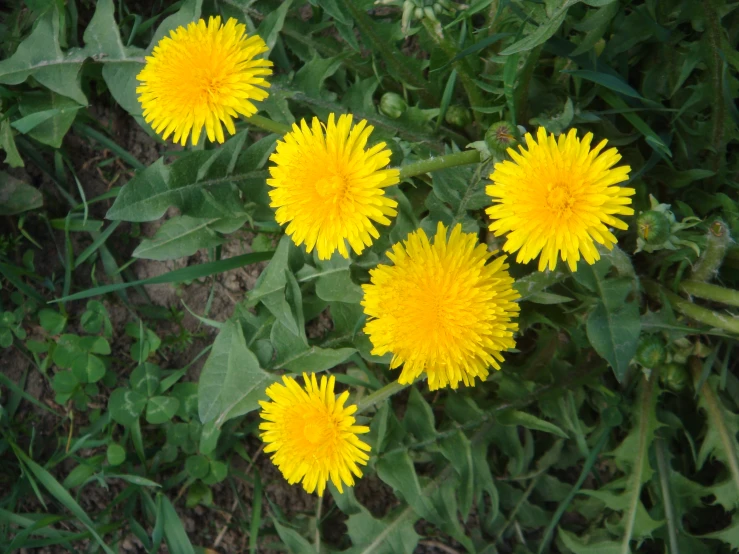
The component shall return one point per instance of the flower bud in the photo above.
(651, 351)
(674, 376)
(653, 227)
(458, 115)
(392, 105)
(500, 136)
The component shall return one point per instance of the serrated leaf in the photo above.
(579, 547)
(231, 382)
(542, 33)
(40, 55)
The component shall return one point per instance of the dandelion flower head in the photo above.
(329, 188)
(441, 308)
(203, 75)
(557, 199)
(311, 433)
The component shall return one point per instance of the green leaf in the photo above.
(40, 55)
(530, 421)
(190, 273)
(145, 379)
(52, 321)
(396, 469)
(294, 354)
(613, 327)
(579, 547)
(231, 382)
(115, 454)
(334, 282)
(197, 466)
(88, 368)
(293, 541)
(542, 33)
(126, 406)
(16, 196)
(160, 409)
(47, 116)
(58, 492)
(271, 25)
(419, 418)
(182, 236)
(65, 382)
(174, 532)
(604, 79)
(7, 143)
(200, 184)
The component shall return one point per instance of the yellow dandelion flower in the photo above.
(557, 198)
(441, 308)
(312, 433)
(329, 188)
(203, 76)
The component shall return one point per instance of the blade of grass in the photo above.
(179, 275)
(587, 466)
(174, 533)
(118, 150)
(90, 250)
(663, 467)
(256, 514)
(61, 494)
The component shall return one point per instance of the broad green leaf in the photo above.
(614, 325)
(294, 354)
(197, 466)
(52, 321)
(40, 55)
(47, 116)
(419, 418)
(126, 406)
(382, 536)
(145, 379)
(182, 236)
(200, 184)
(88, 368)
(231, 382)
(334, 283)
(160, 409)
(295, 543)
(397, 470)
(115, 454)
(16, 196)
(457, 449)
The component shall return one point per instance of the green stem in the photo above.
(379, 395)
(433, 164)
(715, 66)
(687, 308)
(717, 242)
(711, 292)
(268, 125)
(664, 481)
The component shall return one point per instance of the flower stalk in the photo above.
(717, 242)
(442, 162)
(711, 292)
(688, 309)
(268, 124)
(379, 395)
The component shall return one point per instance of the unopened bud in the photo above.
(651, 351)
(458, 115)
(674, 376)
(653, 227)
(500, 136)
(392, 105)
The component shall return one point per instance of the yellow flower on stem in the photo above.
(441, 308)
(312, 434)
(329, 188)
(203, 76)
(558, 198)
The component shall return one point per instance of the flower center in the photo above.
(318, 429)
(331, 185)
(559, 199)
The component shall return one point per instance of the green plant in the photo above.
(612, 426)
